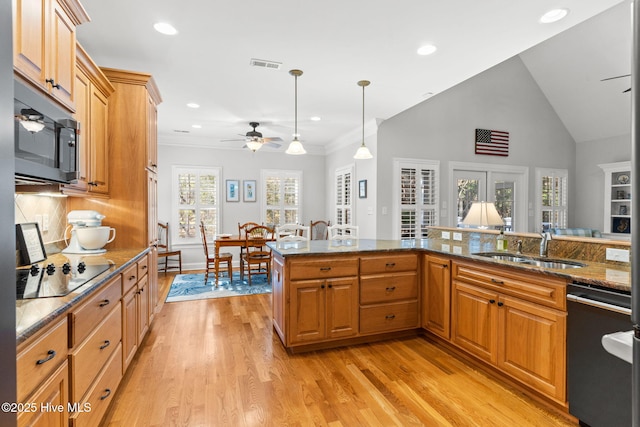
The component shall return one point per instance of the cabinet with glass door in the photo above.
(617, 197)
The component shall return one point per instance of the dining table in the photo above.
(236, 240)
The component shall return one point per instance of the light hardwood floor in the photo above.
(218, 362)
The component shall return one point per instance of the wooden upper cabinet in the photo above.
(152, 138)
(92, 89)
(44, 45)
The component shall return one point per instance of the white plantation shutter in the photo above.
(344, 196)
(418, 188)
(552, 189)
(282, 201)
(195, 198)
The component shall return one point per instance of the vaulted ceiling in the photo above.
(337, 43)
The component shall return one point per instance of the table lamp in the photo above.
(483, 215)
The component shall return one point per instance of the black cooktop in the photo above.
(54, 281)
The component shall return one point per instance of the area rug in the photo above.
(186, 287)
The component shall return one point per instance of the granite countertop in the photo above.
(34, 314)
(615, 275)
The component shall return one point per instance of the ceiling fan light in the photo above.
(254, 145)
(295, 148)
(363, 153)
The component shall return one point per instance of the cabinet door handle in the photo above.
(325, 268)
(391, 289)
(329, 285)
(500, 304)
(144, 267)
(499, 282)
(445, 265)
(50, 355)
(53, 83)
(492, 301)
(322, 286)
(106, 394)
(391, 264)
(132, 277)
(390, 316)
(106, 344)
(104, 303)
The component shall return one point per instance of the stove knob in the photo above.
(66, 268)
(34, 270)
(51, 269)
(81, 267)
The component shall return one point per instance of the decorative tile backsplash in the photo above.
(49, 212)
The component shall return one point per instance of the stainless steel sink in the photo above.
(538, 262)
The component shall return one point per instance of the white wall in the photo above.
(240, 165)
(505, 98)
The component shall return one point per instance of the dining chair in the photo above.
(212, 261)
(343, 232)
(257, 258)
(168, 259)
(292, 233)
(242, 231)
(319, 229)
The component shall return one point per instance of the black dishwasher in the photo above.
(599, 384)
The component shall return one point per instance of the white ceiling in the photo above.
(336, 43)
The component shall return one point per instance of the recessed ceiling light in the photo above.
(315, 119)
(164, 28)
(554, 15)
(193, 105)
(196, 126)
(427, 49)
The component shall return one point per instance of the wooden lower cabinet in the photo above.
(52, 396)
(524, 339)
(436, 295)
(323, 309)
(136, 309)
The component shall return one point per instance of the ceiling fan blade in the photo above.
(275, 138)
(616, 77)
(233, 140)
(272, 144)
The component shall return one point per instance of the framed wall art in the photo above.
(249, 193)
(30, 243)
(362, 189)
(233, 190)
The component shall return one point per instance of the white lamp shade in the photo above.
(483, 215)
(363, 153)
(295, 148)
(254, 145)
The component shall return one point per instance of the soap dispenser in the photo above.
(501, 242)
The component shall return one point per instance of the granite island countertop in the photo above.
(615, 276)
(34, 314)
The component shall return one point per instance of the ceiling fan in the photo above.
(254, 139)
(618, 77)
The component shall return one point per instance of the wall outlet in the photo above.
(457, 236)
(621, 255)
(446, 235)
(45, 222)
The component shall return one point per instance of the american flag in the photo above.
(492, 142)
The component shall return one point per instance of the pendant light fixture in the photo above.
(295, 147)
(363, 152)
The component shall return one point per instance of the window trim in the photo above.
(175, 171)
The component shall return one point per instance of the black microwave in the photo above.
(46, 139)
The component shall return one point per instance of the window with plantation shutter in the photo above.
(282, 191)
(417, 186)
(552, 193)
(344, 196)
(195, 195)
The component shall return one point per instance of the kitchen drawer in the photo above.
(143, 266)
(41, 358)
(381, 288)
(100, 394)
(129, 278)
(91, 355)
(389, 317)
(538, 288)
(388, 264)
(324, 268)
(84, 319)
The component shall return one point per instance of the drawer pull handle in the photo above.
(391, 264)
(107, 393)
(499, 282)
(500, 304)
(104, 303)
(106, 344)
(325, 268)
(445, 265)
(322, 286)
(390, 316)
(492, 301)
(391, 288)
(144, 267)
(132, 277)
(50, 355)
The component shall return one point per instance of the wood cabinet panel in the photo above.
(129, 326)
(143, 308)
(41, 357)
(89, 358)
(323, 268)
(308, 320)
(384, 288)
(54, 393)
(342, 307)
(84, 319)
(389, 317)
(129, 278)
(388, 263)
(62, 55)
(436, 295)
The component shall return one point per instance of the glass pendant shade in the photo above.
(363, 153)
(254, 145)
(295, 148)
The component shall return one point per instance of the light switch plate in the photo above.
(621, 255)
(457, 236)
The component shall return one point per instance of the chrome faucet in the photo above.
(518, 247)
(544, 243)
